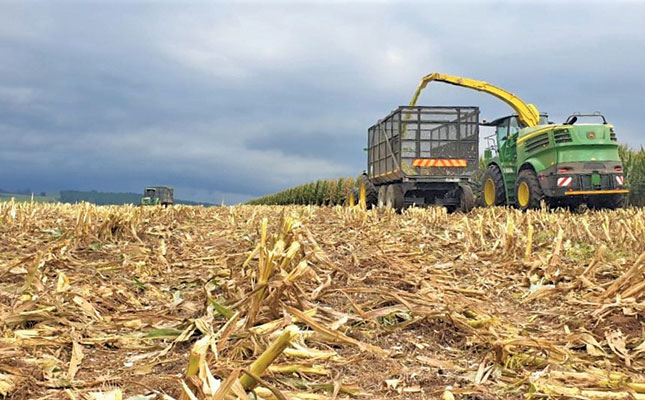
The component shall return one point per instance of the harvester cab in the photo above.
(531, 160)
(503, 142)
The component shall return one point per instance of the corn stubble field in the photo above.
(320, 302)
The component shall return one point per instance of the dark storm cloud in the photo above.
(231, 101)
(338, 148)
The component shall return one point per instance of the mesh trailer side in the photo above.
(424, 141)
(384, 148)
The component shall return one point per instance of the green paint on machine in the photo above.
(155, 195)
(565, 164)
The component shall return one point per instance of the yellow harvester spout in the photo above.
(528, 114)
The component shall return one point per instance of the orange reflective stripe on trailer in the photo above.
(439, 162)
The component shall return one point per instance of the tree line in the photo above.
(109, 198)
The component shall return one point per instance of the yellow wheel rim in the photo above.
(523, 194)
(489, 192)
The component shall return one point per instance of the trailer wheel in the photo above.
(466, 198)
(528, 192)
(371, 194)
(381, 196)
(493, 191)
(394, 197)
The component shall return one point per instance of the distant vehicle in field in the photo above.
(158, 195)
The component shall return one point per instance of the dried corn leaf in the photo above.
(497, 303)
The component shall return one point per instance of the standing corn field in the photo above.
(324, 192)
(634, 164)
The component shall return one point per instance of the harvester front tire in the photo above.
(493, 192)
(394, 197)
(528, 192)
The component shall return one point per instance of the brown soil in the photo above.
(422, 301)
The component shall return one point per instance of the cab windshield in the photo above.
(505, 128)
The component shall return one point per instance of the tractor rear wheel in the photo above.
(528, 192)
(394, 197)
(381, 196)
(493, 191)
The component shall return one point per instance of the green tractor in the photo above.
(158, 195)
(562, 165)
(530, 160)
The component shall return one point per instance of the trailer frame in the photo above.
(428, 152)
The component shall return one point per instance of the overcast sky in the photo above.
(230, 101)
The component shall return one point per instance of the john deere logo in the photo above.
(591, 135)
